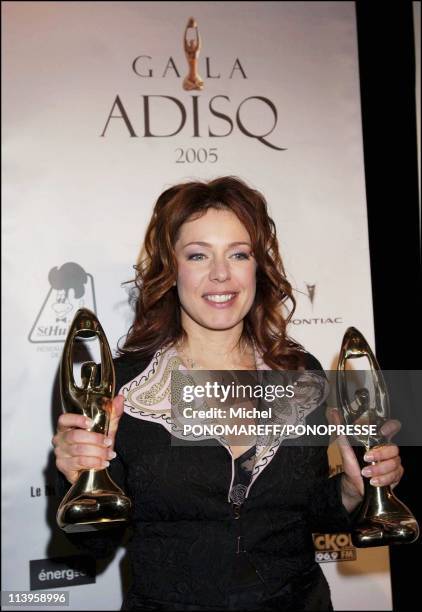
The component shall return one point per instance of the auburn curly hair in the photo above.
(157, 321)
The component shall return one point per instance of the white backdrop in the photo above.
(81, 180)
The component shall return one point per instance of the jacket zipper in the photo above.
(240, 538)
(240, 548)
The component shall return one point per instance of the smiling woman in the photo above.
(216, 282)
(225, 525)
(210, 280)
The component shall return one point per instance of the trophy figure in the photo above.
(192, 47)
(382, 519)
(94, 501)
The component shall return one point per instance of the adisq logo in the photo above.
(214, 117)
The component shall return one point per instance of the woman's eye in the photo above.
(200, 256)
(196, 256)
(241, 255)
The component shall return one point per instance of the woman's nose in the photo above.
(220, 270)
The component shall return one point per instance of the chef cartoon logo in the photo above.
(71, 288)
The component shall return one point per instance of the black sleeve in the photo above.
(326, 513)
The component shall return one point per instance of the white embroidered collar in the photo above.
(148, 397)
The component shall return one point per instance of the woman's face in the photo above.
(216, 279)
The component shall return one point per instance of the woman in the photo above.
(224, 526)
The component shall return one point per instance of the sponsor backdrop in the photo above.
(104, 108)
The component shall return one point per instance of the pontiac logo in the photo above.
(311, 292)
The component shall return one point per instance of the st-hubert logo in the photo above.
(71, 288)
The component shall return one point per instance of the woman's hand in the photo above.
(387, 469)
(78, 449)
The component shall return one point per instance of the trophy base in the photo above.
(383, 532)
(93, 511)
(383, 520)
(84, 527)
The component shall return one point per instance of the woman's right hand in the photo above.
(78, 449)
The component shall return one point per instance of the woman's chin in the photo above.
(221, 323)
(218, 319)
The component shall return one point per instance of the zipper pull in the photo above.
(236, 510)
(240, 548)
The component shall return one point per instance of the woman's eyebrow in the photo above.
(207, 244)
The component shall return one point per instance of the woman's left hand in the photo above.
(387, 469)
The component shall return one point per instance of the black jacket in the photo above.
(189, 549)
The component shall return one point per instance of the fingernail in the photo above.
(89, 422)
(367, 471)
(369, 457)
(111, 454)
(106, 464)
(374, 481)
(108, 442)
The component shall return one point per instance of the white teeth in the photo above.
(220, 298)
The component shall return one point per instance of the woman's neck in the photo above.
(217, 349)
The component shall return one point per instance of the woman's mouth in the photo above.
(220, 300)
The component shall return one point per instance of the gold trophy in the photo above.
(94, 501)
(192, 47)
(382, 519)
